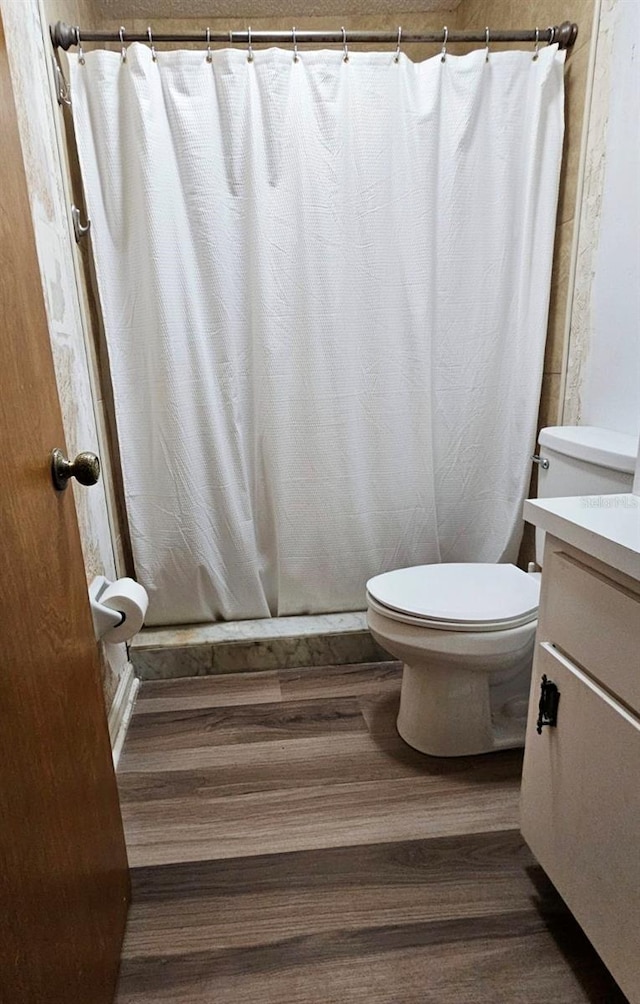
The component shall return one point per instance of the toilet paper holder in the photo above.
(118, 608)
(104, 618)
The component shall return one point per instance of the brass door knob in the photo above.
(85, 469)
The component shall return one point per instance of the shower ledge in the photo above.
(247, 646)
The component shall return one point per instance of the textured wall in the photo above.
(603, 375)
(70, 341)
(156, 9)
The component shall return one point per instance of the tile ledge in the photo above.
(262, 630)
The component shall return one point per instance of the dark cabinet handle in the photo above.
(548, 706)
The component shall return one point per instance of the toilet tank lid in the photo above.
(604, 447)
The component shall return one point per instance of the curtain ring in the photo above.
(552, 34)
(123, 51)
(345, 58)
(537, 45)
(396, 58)
(209, 52)
(250, 47)
(296, 57)
(81, 59)
(486, 39)
(443, 57)
(154, 54)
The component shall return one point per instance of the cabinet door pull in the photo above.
(548, 706)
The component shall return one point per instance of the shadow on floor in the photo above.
(598, 985)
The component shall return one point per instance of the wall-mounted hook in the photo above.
(79, 229)
(62, 87)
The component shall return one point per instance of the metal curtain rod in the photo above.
(63, 36)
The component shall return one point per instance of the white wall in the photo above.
(612, 377)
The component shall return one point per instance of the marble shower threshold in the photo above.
(245, 646)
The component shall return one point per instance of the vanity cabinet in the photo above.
(580, 805)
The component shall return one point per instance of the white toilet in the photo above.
(465, 632)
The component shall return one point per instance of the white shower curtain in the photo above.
(325, 289)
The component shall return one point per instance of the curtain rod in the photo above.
(63, 36)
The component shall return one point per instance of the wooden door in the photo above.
(64, 884)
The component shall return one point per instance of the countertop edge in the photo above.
(586, 539)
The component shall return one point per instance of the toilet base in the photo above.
(447, 712)
(444, 713)
(463, 693)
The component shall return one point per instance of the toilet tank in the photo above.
(583, 460)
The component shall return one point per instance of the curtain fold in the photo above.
(325, 289)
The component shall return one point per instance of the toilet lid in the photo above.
(469, 593)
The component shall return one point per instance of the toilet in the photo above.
(465, 632)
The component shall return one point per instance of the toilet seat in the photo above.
(457, 597)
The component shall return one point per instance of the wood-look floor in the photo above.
(288, 848)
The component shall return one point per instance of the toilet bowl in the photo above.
(465, 633)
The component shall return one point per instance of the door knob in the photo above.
(85, 469)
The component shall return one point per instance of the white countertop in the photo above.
(605, 526)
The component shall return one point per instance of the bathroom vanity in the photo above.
(580, 807)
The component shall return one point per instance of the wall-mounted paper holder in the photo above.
(118, 608)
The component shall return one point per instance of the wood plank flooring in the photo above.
(288, 847)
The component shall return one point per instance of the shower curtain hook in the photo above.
(345, 58)
(537, 45)
(396, 58)
(295, 45)
(552, 33)
(231, 37)
(209, 52)
(154, 54)
(81, 58)
(443, 57)
(250, 49)
(123, 51)
(486, 38)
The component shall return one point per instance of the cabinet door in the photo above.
(580, 811)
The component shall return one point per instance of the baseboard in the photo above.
(122, 709)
